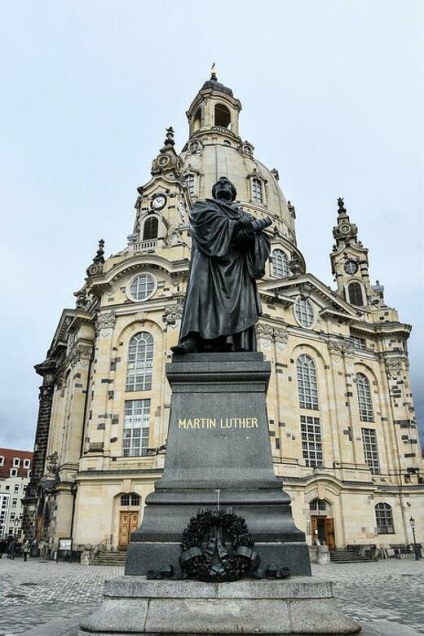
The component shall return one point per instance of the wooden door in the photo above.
(314, 528)
(329, 533)
(128, 523)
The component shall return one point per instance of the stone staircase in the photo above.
(104, 557)
(349, 556)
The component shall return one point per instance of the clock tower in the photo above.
(349, 264)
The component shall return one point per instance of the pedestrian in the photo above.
(3, 547)
(26, 549)
(11, 550)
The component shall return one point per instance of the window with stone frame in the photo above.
(130, 499)
(280, 264)
(311, 441)
(318, 505)
(190, 182)
(364, 398)
(369, 442)
(140, 362)
(136, 428)
(142, 287)
(257, 190)
(304, 312)
(307, 384)
(384, 519)
(150, 228)
(355, 294)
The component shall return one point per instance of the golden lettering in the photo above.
(224, 422)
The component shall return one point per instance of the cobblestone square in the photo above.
(46, 598)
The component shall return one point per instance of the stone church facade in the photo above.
(341, 417)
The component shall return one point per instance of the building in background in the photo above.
(15, 472)
(341, 418)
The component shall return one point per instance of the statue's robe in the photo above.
(222, 298)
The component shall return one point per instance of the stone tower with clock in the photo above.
(341, 418)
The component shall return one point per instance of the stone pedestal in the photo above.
(218, 456)
(133, 605)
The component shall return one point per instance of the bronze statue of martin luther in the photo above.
(229, 252)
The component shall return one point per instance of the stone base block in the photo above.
(136, 606)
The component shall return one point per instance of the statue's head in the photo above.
(224, 189)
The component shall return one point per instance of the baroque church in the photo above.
(342, 428)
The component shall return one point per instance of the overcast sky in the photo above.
(332, 97)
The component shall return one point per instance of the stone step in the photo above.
(348, 556)
(110, 558)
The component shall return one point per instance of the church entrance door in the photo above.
(323, 530)
(128, 522)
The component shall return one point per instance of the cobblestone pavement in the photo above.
(37, 592)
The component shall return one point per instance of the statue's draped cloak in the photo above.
(221, 297)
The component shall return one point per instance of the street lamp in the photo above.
(416, 548)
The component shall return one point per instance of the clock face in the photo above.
(345, 229)
(158, 202)
(351, 267)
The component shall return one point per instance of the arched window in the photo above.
(318, 505)
(190, 181)
(280, 263)
(304, 312)
(197, 120)
(130, 499)
(257, 192)
(355, 294)
(307, 383)
(140, 362)
(150, 229)
(384, 519)
(364, 398)
(222, 116)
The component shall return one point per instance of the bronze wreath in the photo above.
(217, 561)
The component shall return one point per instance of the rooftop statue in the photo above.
(229, 252)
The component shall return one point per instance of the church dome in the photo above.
(215, 149)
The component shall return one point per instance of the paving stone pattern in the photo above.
(38, 592)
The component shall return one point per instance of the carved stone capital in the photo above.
(172, 314)
(281, 335)
(46, 394)
(104, 322)
(80, 354)
(340, 347)
(265, 332)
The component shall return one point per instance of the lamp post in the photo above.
(417, 551)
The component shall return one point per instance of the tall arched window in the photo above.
(150, 229)
(355, 294)
(190, 181)
(257, 192)
(307, 383)
(384, 519)
(364, 398)
(280, 263)
(140, 362)
(222, 116)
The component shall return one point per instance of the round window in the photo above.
(142, 287)
(304, 312)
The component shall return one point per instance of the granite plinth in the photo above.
(218, 456)
(136, 606)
